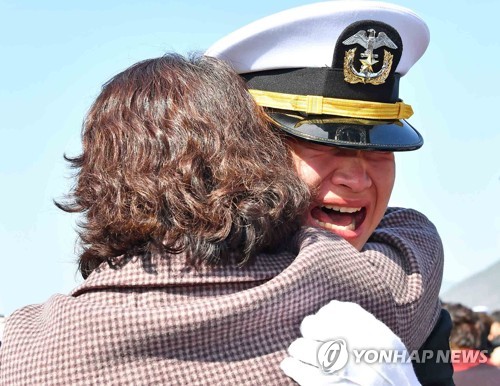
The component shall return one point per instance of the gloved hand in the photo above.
(324, 355)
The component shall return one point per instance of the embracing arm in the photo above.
(406, 248)
(407, 251)
(397, 277)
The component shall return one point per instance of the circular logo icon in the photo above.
(332, 355)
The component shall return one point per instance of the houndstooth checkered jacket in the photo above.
(156, 322)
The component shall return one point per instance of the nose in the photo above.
(351, 172)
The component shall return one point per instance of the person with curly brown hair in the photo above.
(184, 189)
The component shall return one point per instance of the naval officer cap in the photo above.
(329, 72)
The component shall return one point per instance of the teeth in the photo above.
(333, 227)
(342, 209)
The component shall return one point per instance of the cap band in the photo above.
(324, 81)
(314, 104)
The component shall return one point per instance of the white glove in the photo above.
(325, 355)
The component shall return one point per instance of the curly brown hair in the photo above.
(177, 157)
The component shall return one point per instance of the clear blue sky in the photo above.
(55, 55)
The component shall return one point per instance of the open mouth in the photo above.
(338, 217)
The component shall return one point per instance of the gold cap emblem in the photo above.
(370, 42)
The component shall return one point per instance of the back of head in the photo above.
(467, 327)
(177, 157)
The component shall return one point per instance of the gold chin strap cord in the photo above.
(313, 104)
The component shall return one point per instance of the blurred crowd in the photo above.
(475, 345)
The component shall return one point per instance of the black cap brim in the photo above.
(364, 134)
